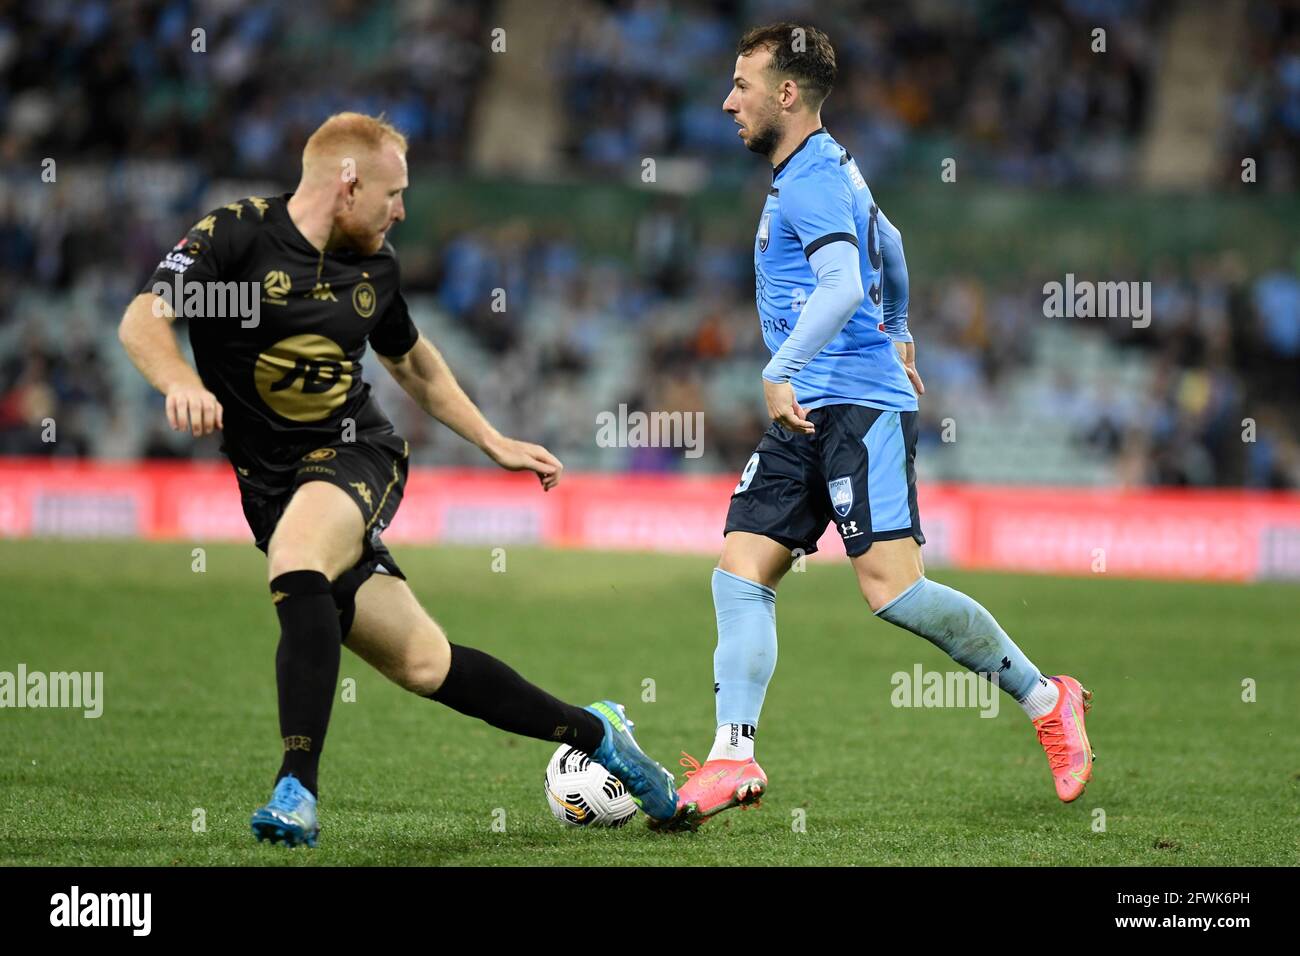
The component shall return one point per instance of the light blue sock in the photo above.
(961, 628)
(746, 655)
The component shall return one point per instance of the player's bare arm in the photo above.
(147, 335)
(424, 375)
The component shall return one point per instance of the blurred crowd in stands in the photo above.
(102, 79)
(1017, 84)
(673, 326)
(1217, 405)
(1264, 107)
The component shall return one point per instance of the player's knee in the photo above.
(887, 570)
(286, 558)
(743, 566)
(424, 667)
(748, 572)
(294, 552)
(880, 585)
(877, 593)
(881, 588)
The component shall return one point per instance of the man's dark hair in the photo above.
(801, 52)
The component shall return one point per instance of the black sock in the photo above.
(306, 669)
(479, 685)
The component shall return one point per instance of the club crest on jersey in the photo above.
(841, 490)
(363, 299)
(764, 231)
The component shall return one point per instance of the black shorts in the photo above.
(858, 469)
(372, 470)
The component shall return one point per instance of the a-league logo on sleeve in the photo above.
(841, 490)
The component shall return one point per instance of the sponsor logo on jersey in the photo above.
(855, 175)
(363, 492)
(841, 490)
(176, 262)
(276, 284)
(303, 378)
(320, 454)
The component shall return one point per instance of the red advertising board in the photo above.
(1207, 535)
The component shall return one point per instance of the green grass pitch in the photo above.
(1187, 772)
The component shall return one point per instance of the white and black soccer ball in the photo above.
(582, 793)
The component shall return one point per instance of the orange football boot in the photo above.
(719, 785)
(1065, 739)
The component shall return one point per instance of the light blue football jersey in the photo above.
(818, 196)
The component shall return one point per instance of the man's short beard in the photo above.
(765, 139)
(350, 236)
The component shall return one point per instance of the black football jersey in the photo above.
(289, 376)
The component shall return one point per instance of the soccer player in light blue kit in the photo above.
(832, 291)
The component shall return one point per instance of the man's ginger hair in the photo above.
(346, 135)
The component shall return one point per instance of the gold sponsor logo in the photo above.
(236, 208)
(323, 293)
(320, 454)
(303, 378)
(207, 224)
(276, 285)
(278, 596)
(297, 742)
(363, 299)
(363, 492)
(318, 470)
(242, 471)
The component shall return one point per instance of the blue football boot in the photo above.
(650, 785)
(289, 817)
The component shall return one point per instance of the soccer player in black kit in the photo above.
(320, 470)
